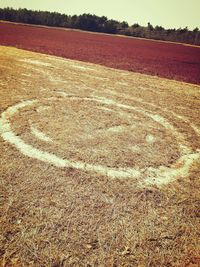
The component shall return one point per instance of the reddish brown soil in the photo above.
(173, 61)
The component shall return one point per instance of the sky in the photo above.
(166, 13)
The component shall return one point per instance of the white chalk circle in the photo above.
(159, 176)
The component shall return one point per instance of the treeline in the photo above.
(99, 24)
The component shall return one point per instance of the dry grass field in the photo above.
(98, 167)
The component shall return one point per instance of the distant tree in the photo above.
(196, 29)
(124, 25)
(74, 21)
(136, 25)
(159, 28)
(149, 26)
(185, 29)
(180, 30)
(100, 24)
(112, 26)
(102, 21)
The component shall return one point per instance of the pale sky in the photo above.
(167, 13)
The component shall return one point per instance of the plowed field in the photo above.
(173, 61)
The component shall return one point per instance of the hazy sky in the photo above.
(167, 13)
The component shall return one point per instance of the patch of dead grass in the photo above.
(70, 217)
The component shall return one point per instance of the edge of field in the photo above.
(95, 64)
(98, 33)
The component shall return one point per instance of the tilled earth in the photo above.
(164, 59)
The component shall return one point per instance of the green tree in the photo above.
(149, 26)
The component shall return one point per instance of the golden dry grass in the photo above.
(101, 123)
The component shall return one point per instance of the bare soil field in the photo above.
(170, 60)
(98, 167)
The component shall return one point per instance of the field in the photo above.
(168, 60)
(99, 166)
